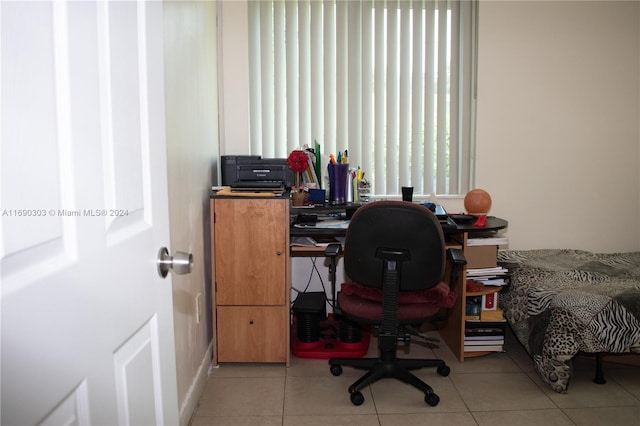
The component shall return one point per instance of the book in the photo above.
(485, 328)
(492, 281)
(483, 348)
(489, 301)
(491, 315)
(486, 272)
(484, 338)
(310, 175)
(484, 334)
(317, 165)
(487, 241)
(486, 324)
(494, 276)
(493, 342)
(473, 306)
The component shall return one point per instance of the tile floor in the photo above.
(498, 389)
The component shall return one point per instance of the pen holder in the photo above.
(337, 182)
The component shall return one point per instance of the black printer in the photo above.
(255, 172)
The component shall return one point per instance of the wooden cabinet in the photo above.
(250, 247)
(452, 331)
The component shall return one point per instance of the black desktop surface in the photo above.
(349, 208)
(302, 220)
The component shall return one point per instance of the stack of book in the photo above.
(313, 174)
(493, 276)
(484, 336)
(482, 263)
(484, 320)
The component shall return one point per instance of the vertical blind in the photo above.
(392, 82)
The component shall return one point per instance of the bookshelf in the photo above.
(476, 325)
(484, 332)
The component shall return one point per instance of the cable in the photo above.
(315, 269)
(306, 287)
(329, 301)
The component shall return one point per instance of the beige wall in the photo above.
(192, 148)
(558, 122)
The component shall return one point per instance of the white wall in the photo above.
(558, 130)
(234, 78)
(192, 152)
(558, 122)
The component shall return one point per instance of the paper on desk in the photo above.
(313, 242)
(228, 192)
(332, 223)
(303, 241)
(323, 242)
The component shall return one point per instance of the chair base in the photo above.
(389, 367)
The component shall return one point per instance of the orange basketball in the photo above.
(477, 201)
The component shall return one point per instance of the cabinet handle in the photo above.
(251, 322)
(279, 253)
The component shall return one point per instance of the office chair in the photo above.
(395, 253)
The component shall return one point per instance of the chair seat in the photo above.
(365, 303)
(440, 294)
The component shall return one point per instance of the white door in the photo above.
(87, 322)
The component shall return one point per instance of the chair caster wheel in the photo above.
(444, 370)
(336, 370)
(432, 399)
(357, 398)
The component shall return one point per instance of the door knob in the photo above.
(180, 263)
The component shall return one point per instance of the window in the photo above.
(389, 81)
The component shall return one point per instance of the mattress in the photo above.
(561, 302)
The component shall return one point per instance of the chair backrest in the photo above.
(395, 225)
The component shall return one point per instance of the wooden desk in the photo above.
(251, 269)
(453, 331)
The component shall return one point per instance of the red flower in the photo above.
(297, 161)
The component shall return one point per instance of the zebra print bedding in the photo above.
(561, 302)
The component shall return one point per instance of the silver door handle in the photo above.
(180, 263)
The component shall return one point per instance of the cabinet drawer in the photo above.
(252, 333)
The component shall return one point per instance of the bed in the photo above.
(564, 302)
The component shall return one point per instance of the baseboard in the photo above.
(188, 406)
(627, 359)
